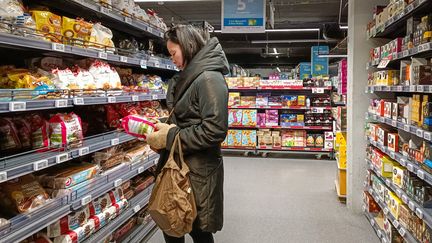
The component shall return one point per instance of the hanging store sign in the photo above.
(320, 65)
(243, 16)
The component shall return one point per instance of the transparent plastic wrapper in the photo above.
(109, 158)
(101, 38)
(11, 9)
(138, 126)
(68, 176)
(66, 129)
(69, 222)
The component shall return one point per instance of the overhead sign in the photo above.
(243, 16)
(320, 65)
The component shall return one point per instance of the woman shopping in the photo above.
(198, 97)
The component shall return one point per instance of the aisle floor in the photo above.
(285, 200)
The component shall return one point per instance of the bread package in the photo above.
(68, 176)
(22, 194)
(69, 222)
(77, 235)
(66, 129)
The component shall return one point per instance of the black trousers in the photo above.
(197, 235)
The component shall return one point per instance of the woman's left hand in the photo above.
(157, 140)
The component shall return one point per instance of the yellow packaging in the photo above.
(387, 167)
(342, 160)
(48, 24)
(300, 118)
(398, 172)
(76, 30)
(301, 100)
(394, 204)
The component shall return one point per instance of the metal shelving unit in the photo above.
(313, 109)
(285, 127)
(381, 235)
(400, 88)
(315, 90)
(140, 232)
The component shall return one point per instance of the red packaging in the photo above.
(113, 117)
(138, 126)
(24, 132)
(124, 229)
(65, 129)
(9, 140)
(40, 131)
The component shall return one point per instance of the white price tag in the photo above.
(392, 155)
(155, 97)
(388, 182)
(118, 182)
(157, 64)
(386, 211)
(411, 206)
(412, 88)
(407, 127)
(405, 53)
(370, 191)
(17, 106)
(317, 110)
(103, 55)
(399, 88)
(419, 133)
(61, 103)
(62, 158)
(318, 90)
(140, 170)
(78, 101)
(128, 20)
(41, 164)
(143, 64)
(86, 200)
(3, 176)
(111, 99)
(115, 141)
(83, 151)
(394, 123)
(410, 8)
(135, 98)
(420, 174)
(410, 167)
(383, 63)
(104, 10)
(425, 47)
(379, 233)
(372, 222)
(420, 88)
(156, 161)
(399, 192)
(364, 208)
(169, 67)
(427, 136)
(403, 162)
(161, 34)
(396, 224)
(419, 213)
(404, 199)
(123, 59)
(58, 47)
(137, 208)
(402, 231)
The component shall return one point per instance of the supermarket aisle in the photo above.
(285, 200)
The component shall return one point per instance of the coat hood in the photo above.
(210, 58)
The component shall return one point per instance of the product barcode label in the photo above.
(17, 106)
(61, 103)
(407, 127)
(394, 123)
(114, 141)
(399, 88)
(128, 20)
(421, 174)
(118, 182)
(143, 64)
(123, 59)
(386, 211)
(155, 97)
(103, 55)
(410, 167)
(104, 10)
(62, 158)
(58, 47)
(111, 99)
(405, 53)
(412, 88)
(411, 205)
(39, 165)
(396, 224)
(419, 213)
(157, 64)
(419, 133)
(420, 88)
(427, 136)
(137, 208)
(402, 231)
(3, 176)
(135, 98)
(83, 151)
(424, 47)
(86, 200)
(78, 101)
(140, 170)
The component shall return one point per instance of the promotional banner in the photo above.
(305, 70)
(320, 65)
(243, 16)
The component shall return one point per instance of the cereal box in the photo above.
(230, 138)
(247, 100)
(249, 118)
(237, 136)
(235, 117)
(262, 99)
(249, 138)
(233, 99)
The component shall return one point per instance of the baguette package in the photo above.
(68, 223)
(68, 176)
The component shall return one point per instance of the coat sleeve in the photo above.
(213, 107)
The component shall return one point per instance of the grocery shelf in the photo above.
(286, 127)
(400, 88)
(339, 103)
(155, 95)
(380, 232)
(421, 212)
(402, 230)
(135, 204)
(313, 109)
(422, 49)
(8, 40)
(398, 22)
(140, 232)
(406, 162)
(238, 148)
(315, 90)
(294, 149)
(29, 162)
(419, 132)
(25, 225)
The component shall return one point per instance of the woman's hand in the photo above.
(157, 140)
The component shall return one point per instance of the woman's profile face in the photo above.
(176, 54)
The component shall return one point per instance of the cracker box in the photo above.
(287, 138)
(235, 117)
(237, 136)
(272, 118)
(230, 138)
(388, 109)
(398, 175)
(393, 142)
(249, 138)
(249, 118)
(247, 100)
(262, 99)
(233, 99)
(289, 100)
(275, 101)
(261, 119)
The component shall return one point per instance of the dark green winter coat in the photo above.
(199, 96)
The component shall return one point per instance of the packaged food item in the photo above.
(22, 195)
(101, 38)
(140, 183)
(126, 6)
(9, 136)
(124, 229)
(247, 100)
(249, 118)
(128, 194)
(249, 138)
(272, 118)
(277, 141)
(310, 140)
(261, 119)
(116, 195)
(99, 220)
(237, 137)
(233, 99)
(66, 130)
(11, 9)
(262, 99)
(24, 132)
(235, 117)
(48, 24)
(104, 76)
(144, 216)
(108, 158)
(76, 31)
(69, 222)
(138, 126)
(76, 235)
(136, 153)
(319, 140)
(68, 176)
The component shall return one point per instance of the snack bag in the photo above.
(48, 24)
(101, 38)
(138, 126)
(76, 30)
(39, 131)
(65, 129)
(64, 79)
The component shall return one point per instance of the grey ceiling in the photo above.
(321, 14)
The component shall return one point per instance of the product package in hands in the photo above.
(138, 126)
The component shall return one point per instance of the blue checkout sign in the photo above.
(243, 16)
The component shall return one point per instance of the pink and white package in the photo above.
(65, 129)
(138, 126)
(272, 118)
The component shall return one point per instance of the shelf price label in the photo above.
(155, 97)
(317, 110)
(405, 199)
(421, 174)
(78, 101)
(419, 133)
(394, 123)
(399, 193)
(115, 141)
(427, 136)
(317, 90)
(403, 162)
(3, 176)
(405, 53)
(157, 63)
(399, 88)
(419, 213)
(412, 88)
(39, 165)
(86, 200)
(169, 67)
(410, 8)
(402, 231)
(17, 106)
(143, 64)
(386, 211)
(411, 206)
(58, 47)
(104, 10)
(135, 98)
(407, 127)
(61, 103)
(123, 59)
(83, 151)
(396, 224)
(62, 158)
(420, 88)
(128, 20)
(392, 154)
(372, 222)
(410, 167)
(102, 55)
(118, 182)
(111, 99)
(379, 233)
(155, 161)
(140, 169)
(137, 208)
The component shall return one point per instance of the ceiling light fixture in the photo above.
(330, 55)
(343, 27)
(274, 50)
(277, 68)
(291, 41)
(283, 30)
(277, 57)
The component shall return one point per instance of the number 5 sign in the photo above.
(243, 16)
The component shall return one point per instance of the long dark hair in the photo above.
(190, 38)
